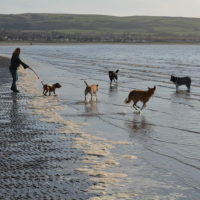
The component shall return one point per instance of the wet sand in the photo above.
(36, 163)
(44, 156)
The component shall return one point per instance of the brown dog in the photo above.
(50, 88)
(140, 95)
(92, 89)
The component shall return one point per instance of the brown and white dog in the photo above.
(92, 89)
(50, 88)
(140, 95)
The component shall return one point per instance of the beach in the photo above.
(45, 156)
(61, 147)
(36, 163)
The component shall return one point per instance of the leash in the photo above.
(34, 72)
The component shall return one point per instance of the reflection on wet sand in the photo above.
(15, 118)
(139, 124)
(182, 92)
(113, 88)
(91, 107)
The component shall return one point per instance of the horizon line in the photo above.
(100, 15)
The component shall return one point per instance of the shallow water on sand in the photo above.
(165, 138)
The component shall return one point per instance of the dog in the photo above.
(140, 95)
(113, 76)
(181, 81)
(50, 88)
(92, 89)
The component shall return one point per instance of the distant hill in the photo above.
(98, 24)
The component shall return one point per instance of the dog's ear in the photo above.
(97, 85)
(154, 87)
(149, 88)
(117, 71)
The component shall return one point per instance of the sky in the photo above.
(172, 8)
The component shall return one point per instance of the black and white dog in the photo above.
(113, 75)
(181, 81)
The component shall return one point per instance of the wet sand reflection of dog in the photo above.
(138, 125)
(113, 88)
(91, 107)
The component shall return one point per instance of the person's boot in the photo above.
(16, 91)
(11, 88)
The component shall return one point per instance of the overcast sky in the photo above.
(181, 8)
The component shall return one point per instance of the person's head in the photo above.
(17, 51)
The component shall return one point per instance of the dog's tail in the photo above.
(86, 84)
(117, 71)
(42, 82)
(127, 100)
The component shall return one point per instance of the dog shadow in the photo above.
(139, 125)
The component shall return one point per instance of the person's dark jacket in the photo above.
(15, 62)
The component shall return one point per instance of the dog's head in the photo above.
(97, 87)
(152, 90)
(173, 78)
(57, 85)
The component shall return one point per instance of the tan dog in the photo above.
(92, 89)
(140, 95)
(50, 88)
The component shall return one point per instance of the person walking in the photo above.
(14, 65)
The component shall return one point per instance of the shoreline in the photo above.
(87, 43)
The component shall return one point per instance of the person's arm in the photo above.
(23, 64)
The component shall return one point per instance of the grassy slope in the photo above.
(68, 23)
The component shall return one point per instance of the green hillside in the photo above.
(99, 24)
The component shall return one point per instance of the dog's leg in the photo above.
(176, 87)
(188, 86)
(135, 106)
(45, 92)
(86, 94)
(49, 93)
(144, 105)
(91, 95)
(96, 96)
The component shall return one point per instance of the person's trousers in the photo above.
(14, 74)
